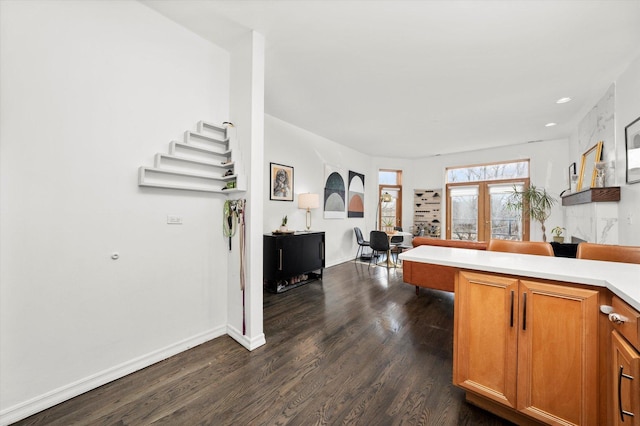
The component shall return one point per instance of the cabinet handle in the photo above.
(617, 318)
(524, 311)
(322, 250)
(621, 375)
(511, 315)
(280, 261)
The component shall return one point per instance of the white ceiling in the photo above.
(411, 78)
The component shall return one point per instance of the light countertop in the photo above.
(623, 279)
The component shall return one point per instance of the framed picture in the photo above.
(632, 136)
(572, 172)
(281, 182)
(587, 177)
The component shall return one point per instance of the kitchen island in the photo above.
(623, 279)
(530, 342)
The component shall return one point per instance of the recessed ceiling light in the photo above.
(550, 124)
(563, 100)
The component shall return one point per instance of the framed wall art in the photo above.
(356, 195)
(632, 137)
(334, 193)
(571, 183)
(281, 182)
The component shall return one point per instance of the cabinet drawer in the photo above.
(631, 328)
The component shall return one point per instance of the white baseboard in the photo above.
(64, 393)
(249, 343)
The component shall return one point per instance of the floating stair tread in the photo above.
(201, 149)
(191, 134)
(187, 174)
(188, 188)
(212, 126)
(190, 160)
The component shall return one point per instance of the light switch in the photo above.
(174, 220)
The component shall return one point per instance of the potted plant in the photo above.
(533, 201)
(387, 223)
(557, 234)
(283, 226)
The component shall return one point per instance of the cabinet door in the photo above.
(557, 353)
(626, 382)
(311, 251)
(485, 335)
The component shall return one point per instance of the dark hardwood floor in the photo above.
(358, 347)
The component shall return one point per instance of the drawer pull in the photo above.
(621, 376)
(280, 262)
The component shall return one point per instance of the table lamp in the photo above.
(308, 201)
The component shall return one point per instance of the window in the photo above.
(476, 202)
(486, 172)
(389, 214)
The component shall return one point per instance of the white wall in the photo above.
(605, 120)
(92, 90)
(308, 154)
(627, 110)
(549, 166)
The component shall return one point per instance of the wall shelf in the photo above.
(204, 161)
(592, 195)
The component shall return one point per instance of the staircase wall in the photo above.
(91, 90)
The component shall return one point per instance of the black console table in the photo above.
(292, 260)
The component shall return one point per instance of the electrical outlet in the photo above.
(174, 220)
(630, 219)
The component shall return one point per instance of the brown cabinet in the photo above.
(528, 346)
(625, 368)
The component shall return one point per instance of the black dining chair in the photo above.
(397, 243)
(362, 243)
(379, 243)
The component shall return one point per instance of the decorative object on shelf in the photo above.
(632, 137)
(557, 234)
(587, 176)
(535, 202)
(356, 195)
(385, 197)
(281, 182)
(600, 172)
(308, 201)
(574, 183)
(283, 225)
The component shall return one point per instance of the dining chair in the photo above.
(523, 247)
(397, 243)
(362, 243)
(608, 252)
(379, 243)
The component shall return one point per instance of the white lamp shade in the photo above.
(308, 201)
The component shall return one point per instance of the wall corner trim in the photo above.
(249, 343)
